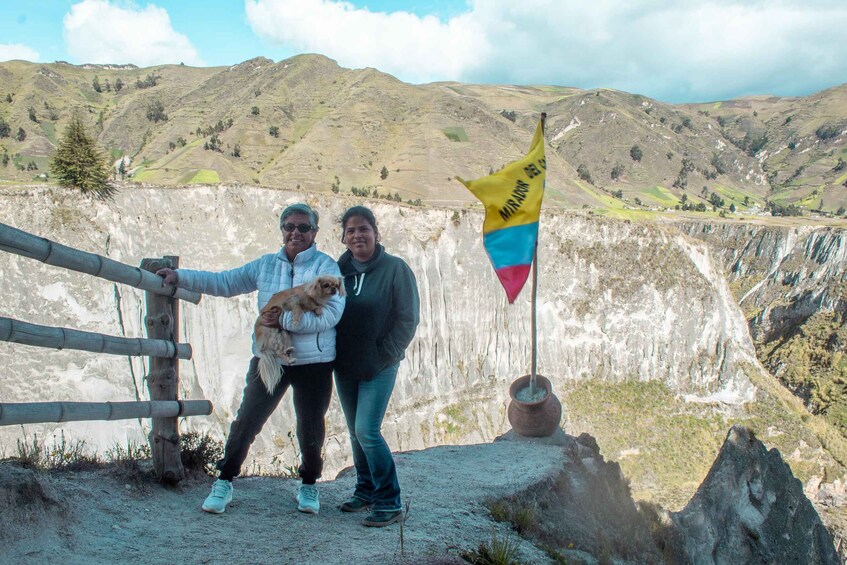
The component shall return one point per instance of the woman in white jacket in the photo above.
(313, 338)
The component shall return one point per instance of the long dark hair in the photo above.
(362, 212)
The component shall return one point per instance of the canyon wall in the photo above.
(617, 301)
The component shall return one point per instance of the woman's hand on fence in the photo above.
(270, 318)
(171, 277)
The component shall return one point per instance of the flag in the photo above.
(512, 198)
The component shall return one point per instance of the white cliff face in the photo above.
(786, 274)
(616, 301)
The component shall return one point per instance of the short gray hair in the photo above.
(299, 208)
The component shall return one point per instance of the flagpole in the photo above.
(533, 323)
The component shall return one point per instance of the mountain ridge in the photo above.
(338, 129)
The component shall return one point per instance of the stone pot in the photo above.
(534, 419)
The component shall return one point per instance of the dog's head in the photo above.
(326, 286)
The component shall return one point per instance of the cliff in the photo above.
(639, 331)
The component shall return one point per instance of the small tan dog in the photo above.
(308, 297)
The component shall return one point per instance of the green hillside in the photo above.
(307, 122)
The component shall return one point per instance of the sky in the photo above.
(670, 50)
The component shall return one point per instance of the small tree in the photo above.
(636, 153)
(32, 116)
(96, 84)
(5, 129)
(119, 84)
(584, 173)
(78, 163)
(254, 110)
(617, 171)
(274, 131)
(383, 174)
(236, 151)
(156, 112)
(21, 135)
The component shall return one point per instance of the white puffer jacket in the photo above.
(313, 337)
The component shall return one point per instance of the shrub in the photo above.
(149, 81)
(716, 200)
(501, 551)
(636, 153)
(156, 112)
(199, 453)
(254, 110)
(827, 132)
(383, 174)
(509, 115)
(584, 173)
(617, 171)
(273, 131)
(5, 129)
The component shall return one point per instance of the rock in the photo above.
(751, 509)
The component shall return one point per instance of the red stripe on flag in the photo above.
(513, 279)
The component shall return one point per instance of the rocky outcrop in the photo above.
(750, 509)
(782, 275)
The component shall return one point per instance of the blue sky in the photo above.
(672, 50)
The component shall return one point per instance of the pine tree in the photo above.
(78, 163)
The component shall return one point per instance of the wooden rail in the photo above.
(16, 331)
(38, 412)
(161, 346)
(27, 245)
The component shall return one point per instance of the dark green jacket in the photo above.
(380, 317)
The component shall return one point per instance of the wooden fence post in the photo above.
(162, 321)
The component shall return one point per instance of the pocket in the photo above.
(358, 359)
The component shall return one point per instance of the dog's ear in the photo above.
(313, 287)
(341, 286)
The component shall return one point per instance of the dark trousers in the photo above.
(312, 385)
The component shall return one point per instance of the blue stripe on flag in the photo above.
(511, 246)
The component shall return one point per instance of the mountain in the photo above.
(307, 123)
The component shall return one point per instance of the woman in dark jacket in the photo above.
(378, 324)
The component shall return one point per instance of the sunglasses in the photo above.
(302, 228)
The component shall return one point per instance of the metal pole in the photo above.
(533, 322)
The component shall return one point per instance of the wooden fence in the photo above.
(161, 346)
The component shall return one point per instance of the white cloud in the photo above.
(12, 51)
(676, 50)
(98, 31)
(413, 48)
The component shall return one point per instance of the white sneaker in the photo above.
(220, 496)
(307, 499)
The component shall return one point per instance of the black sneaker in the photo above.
(354, 505)
(378, 518)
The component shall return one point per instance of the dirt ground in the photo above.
(96, 517)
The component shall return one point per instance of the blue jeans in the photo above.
(364, 404)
